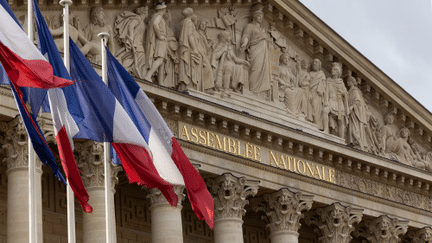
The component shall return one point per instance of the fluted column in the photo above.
(383, 229)
(423, 235)
(90, 160)
(166, 221)
(15, 145)
(229, 195)
(336, 222)
(283, 211)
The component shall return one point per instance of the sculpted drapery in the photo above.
(357, 116)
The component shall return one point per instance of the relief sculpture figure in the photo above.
(129, 29)
(317, 87)
(98, 24)
(371, 129)
(304, 80)
(204, 49)
(401, 150)
(255, 40)
(229, 69)
(336, 103)
(357, 116)
(294, 96)
(190, 59)
(157, 44)
(74, 34)
(170, 69)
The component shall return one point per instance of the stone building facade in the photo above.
(298, 136)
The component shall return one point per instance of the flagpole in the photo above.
(31, 154)
(70, 197)
(107, 169)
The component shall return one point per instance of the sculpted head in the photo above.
(167, 16)
(97, 16)
(194, 19)
(142, 11)
(404, 132)
(389, 118)
(224, 36)
(202, 25)
(316, 65)
(336, 70)
(187, 12)
(284, 59)
(258, 16)
(160, 7)
(351, 81)
(304, 64)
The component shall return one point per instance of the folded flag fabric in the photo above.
(105, 120)
(168, 157)
(65, 110)
(22, 61)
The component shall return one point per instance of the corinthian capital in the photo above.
(157, 198)
(283, 209)
(229, 195)
(383, 230)
(423, 235)
(90, 160)
(336, 222)
(14, 142)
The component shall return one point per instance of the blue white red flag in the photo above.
(105, 120)
(65, 110)
(168, 157)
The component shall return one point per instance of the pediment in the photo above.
(224, 53)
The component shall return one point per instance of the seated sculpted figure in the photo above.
(98, 24)
(401, 150)
(294, 96)
(74, 34)
(228, 68)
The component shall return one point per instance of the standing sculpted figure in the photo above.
(190, 59)
(336, 103)
(170, 69)
(317, 87)
(98, 24)
(255, 40)
(204, 49)
(129, 29)
(295, 97)
(304, 80)
(357, 116)
(228, 67)
(157, 43)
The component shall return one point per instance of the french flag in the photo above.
(105, 120)
(65, 110)
(168, 157)
(26, 67)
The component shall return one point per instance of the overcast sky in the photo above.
(395, 35)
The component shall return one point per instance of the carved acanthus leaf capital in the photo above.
(383, 229)
(229, 195)
(157, 198)
(90, 160)
(283, 209)
(423, 235)
(336, 222)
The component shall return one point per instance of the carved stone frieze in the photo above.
(90, 160)
(382, 229)
(156, 197)
(283, 209)
(423, 235)
(229, 195)
(335, 222)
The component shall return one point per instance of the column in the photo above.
(283, 213)
(423, 235)
(90, 161)
(229, 195)
(15, 145)
(336, 222)
(383, 229)
(166, 221)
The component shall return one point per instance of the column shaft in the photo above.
(228, 230)
(166, 223)
(284, 237)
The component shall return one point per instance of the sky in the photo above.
(395, 35)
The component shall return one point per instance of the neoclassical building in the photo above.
(297, 135)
